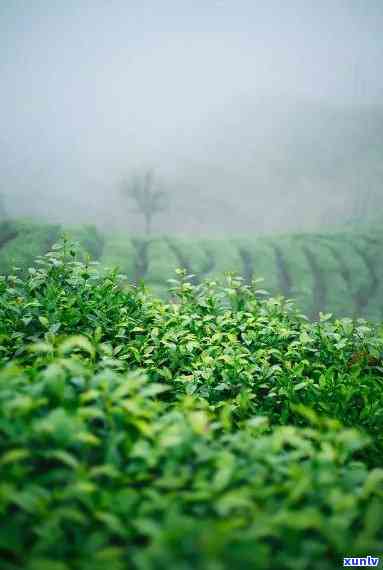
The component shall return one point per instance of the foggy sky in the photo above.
(91, 88)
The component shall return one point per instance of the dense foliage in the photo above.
(219, 430)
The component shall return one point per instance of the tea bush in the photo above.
(219, 430)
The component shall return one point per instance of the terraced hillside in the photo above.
(341, 272)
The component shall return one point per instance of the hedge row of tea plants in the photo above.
(21, 241)
(335, 272)
(219, 430)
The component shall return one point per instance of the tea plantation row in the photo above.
(341, 273)
(221, 430)
(22, 241)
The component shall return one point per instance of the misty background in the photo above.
(257, 116)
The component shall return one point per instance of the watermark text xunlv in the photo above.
(366, 561)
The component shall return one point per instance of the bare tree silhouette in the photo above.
(149, 200)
